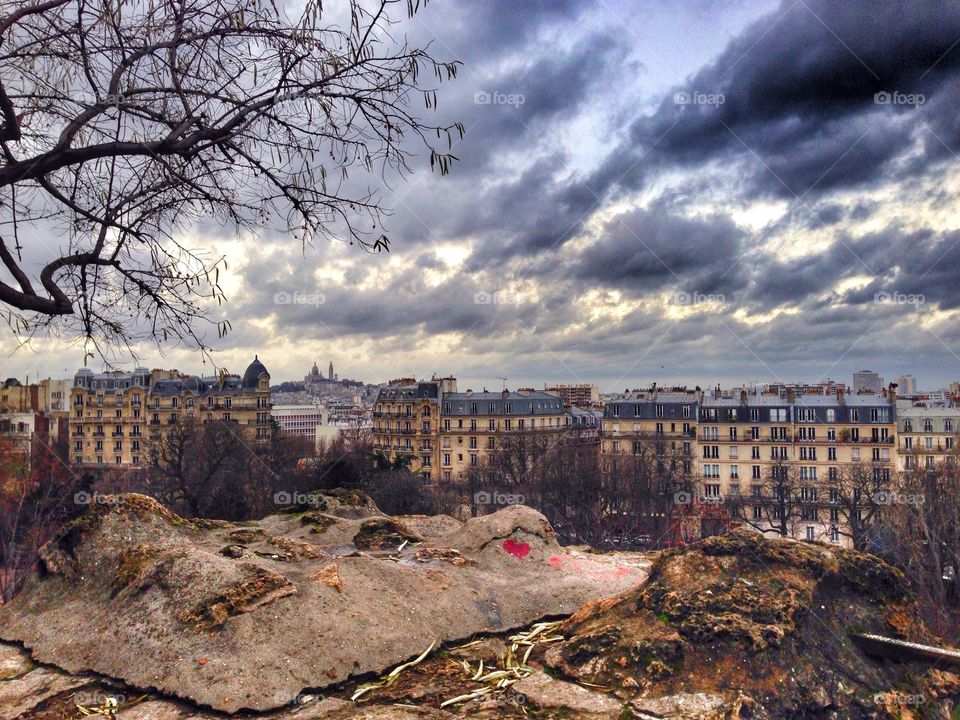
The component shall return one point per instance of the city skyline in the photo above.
(495, 381)
(659, 193)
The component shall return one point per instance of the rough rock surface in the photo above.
(739, 626)
(248, 615)
(544, 692)
(27, 691)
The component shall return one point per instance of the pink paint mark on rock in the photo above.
(520, 550)
(554, 561)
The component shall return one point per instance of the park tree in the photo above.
(123, 123)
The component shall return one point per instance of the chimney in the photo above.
(505, 392)
(791, 396)
(841, 396)
(743, 397)
(716, 392)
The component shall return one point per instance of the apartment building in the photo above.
(745, 441)
(444, 432)
(581, 395)
(739, 442)
(927, 436)
(116, 415)
(300, 420)
(665, 419)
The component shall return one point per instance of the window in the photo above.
(831, 415)
(734, 472)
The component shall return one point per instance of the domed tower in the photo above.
(256, 388)
(315, 372)
(251, 378)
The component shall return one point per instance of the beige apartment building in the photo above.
(926, 437)
(444, 432)
(114, 416)
(745, 444)
(667, 418)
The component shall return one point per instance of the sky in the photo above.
(688, 193)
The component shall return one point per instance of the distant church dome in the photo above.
(315, 371)
(252, 376)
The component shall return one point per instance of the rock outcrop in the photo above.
(740, 625)
(251, 615)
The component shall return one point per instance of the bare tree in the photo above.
(123, 122)
(36, 498)
(198, 468)
(855, 499)
(925, 539)
(776, 502)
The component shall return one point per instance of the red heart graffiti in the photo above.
(516, 549)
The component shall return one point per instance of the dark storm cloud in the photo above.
(649, 249)
(798, 93)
